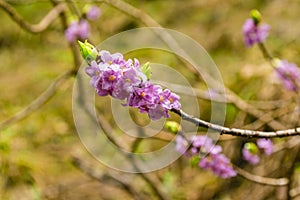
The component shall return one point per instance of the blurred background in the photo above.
(41, 155)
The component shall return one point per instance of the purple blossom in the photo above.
(93, 71)
(254, 33)
(289, 74)
(266, 145)
(169, 100)
(77, 30)
(249, 156)
(215, 161)
(93, 13)
(126, 84)
(219, 164)
(124, 80)
(109, 79)
(181, 144)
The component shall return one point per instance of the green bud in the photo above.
(88, 51)
(256, 16)
(146, 69)
(251, 147)
(172, 126)
(194, 161)
(275, 62)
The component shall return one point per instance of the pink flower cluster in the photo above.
(78, 30)
(81, 29)
(289, 74)
(251, 150)
(123, 79)
(254, 33)
(215, 161)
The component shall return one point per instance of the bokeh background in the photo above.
(41, 156)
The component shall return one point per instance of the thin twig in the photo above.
(269, 116)
(235, 131)
(262, 180)
(38, 102)
(33, 28)
(264, 51)
(102, 176)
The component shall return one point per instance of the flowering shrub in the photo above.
(207, 155)
(126, 80)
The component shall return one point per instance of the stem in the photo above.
(235, 131)
(265, 52)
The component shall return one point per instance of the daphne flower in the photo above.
(181, 144)
(250, 157)
(93, 13)
(124, 79)
(77, 30)
(250, 151)
(289, 74)
(254, 33)
(266, 145)
(214, 161)
(219, 164)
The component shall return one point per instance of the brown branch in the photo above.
(102, 176)
(38, 102)
(294, 192)
(262, 180)
(235, 131)
(269, 116)
(33, 28)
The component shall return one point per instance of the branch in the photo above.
(235, 131)
(262, 180)
(38, 102)
(33, 28)
(105, 176)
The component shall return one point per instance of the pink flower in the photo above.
(93, 13)
(289, 74)
(77, 30)
(254, 33)
(266, 145)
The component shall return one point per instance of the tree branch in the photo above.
(38, 102)
(105, 176)
(262, 180)
(33, 28)
(235, 131)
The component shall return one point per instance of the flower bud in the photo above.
(88, 51)
(173, 126)
(256, 16)
(275, 62)
(251, 147)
